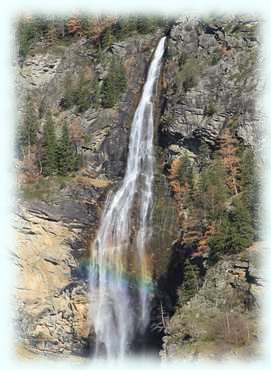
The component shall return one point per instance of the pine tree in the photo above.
(145, 24)
(49, 162)
(203, 156)
(85, 25)
(107, 38)
(108, 97)
(235, 231)
(250, 183)
(114, 84)
(29, 128)
(190, 280)
(119, 76)
(211, 193)
(26, 36)
(67, 158)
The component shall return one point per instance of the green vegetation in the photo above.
(27, 131)
(29, 32)
(57, 31)
(188, 73)
(250, 186)
(49, 164)
(210, 109)
(66, 157)
(128, 26)
(203, 156)
(59, 156)
(190, 281)
(234, 233)
(212, 202)
(186, 171)
(114, 84)
(210, 193)
(215, 58)
(81, 94)
(45, 188)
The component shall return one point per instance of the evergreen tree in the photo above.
(145, 24)
(31, 30)
(85, 25)
(186, 171)
(250, 183)
(234, 233)
(211, 193)
(203, 156)
(107, 92)
(119, 76)
(49, 160)
(29, 128)
(190, 280)
(113, 85)
(27, 34)
(67, 158)
(107, 38)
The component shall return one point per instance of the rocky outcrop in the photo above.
(210, 86)
(52, 308)
(220, 320)
(54, 236)
(211, 81)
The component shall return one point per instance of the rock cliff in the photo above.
(206, 99)
(55, 225)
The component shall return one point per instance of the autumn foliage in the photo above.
(228, 153)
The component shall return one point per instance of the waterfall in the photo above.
(120, 267)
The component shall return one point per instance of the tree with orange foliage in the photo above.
(73, 25)
(228, 152)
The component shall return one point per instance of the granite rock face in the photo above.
(211, 81)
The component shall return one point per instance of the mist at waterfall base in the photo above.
(120, 266)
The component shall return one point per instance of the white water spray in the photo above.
(119, 302)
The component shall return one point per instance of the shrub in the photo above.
(45, 189)
(215, 58)
(209, 110)
(187, 75)
(230, 327)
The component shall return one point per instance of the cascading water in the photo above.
(120, 278)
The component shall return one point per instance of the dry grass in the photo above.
(89, 181)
